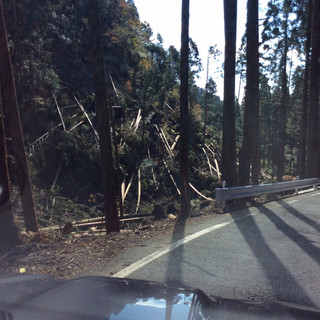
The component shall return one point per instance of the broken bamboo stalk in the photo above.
(137, 122)
(167, 105)
(171, 177)
(211, 151)
(165, 163)
(199, 193)
(139, 190)
(167, 143)
(128, 186)
(113, 85)
(123, 186)
(59, 112)
(208, 160)
(87, 116)
(175, 142)
(100, 221)
(217, 169)
(76, 126)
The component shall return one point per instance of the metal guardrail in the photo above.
(225, 194)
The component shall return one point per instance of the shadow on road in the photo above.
(174, 267)
(283, 284)
(175, 257)
(306, 245)
(299, 215)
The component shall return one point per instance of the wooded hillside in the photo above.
(88, 91)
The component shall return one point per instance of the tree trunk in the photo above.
(250, 152)
(9, 236)
(304, 109)
(117, 160)
(184, 111)
(103, 122)
(206, 99)
(312, 135)
(283, 107)
(229, 170)
(11, 113)
(253, 79)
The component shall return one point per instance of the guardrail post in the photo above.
(297, 189)
(224, 203)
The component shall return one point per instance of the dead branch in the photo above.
(65, 264)
(54, 256)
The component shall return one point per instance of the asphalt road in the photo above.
(264, 252)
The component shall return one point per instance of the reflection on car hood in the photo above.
(44, 297)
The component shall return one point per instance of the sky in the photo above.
(206, 28)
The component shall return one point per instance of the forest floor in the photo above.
(73, 254)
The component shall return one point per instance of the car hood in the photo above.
(44, 297)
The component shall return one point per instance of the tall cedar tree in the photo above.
(229, 170)
(304, 103)
(103, 122)
(13, 125)
(312, 138)
(184, 111)
(284, 97)
(250, 153)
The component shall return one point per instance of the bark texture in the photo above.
(184, 111)
(103, 121)
(229, 169)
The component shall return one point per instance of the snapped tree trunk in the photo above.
(9, 236)
(103, 122)
(312, 137)
(229, 169)
(184, 111)
(13, 125)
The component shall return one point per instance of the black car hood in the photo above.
(44, 297)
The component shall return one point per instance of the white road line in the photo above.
(292, 201)
(308, 191)
(314, 194)
(159, 253)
